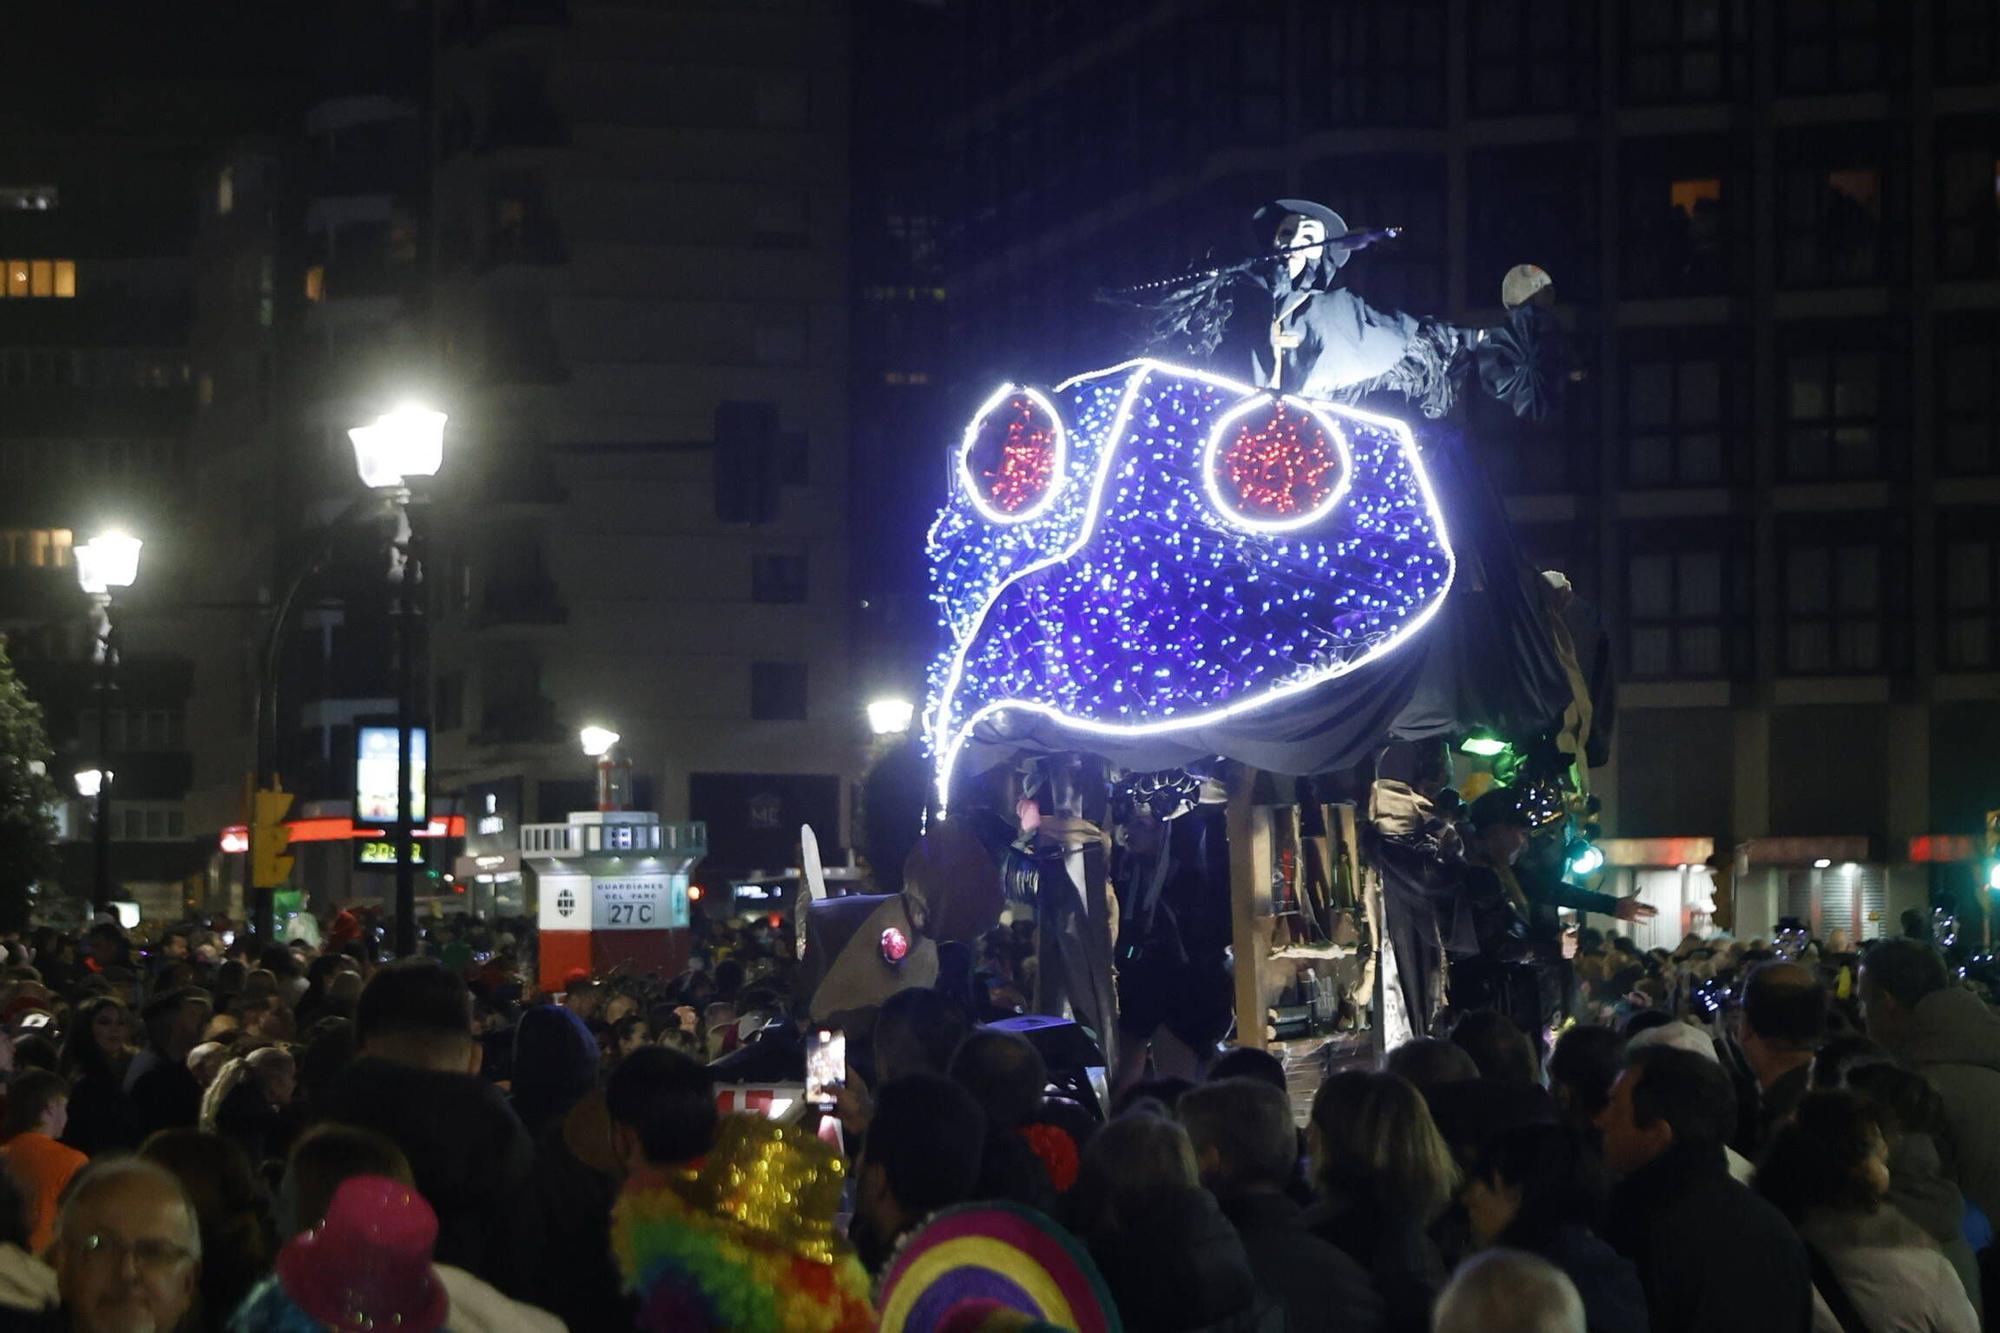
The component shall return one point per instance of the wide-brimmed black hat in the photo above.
(1500, 806)
(1264, 224)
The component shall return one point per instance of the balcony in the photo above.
(527, 602)
(527, 721)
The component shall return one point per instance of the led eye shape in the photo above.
(1013, 456)
(1275, 465)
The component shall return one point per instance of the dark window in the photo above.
(1839, 46)
(778, 578)
(778, 691)
(1968, 200)
(1840, 209)
(1533, 55)
(1687, 602)
(1968, 395)
(1535, 206)
(1843, 589)
(1374, 62)
(1833, 411)
(1684, 413)
(1686, 50)
(1684, 221)
(1555, 455)
(451, 701)
(1391, 192)
(1968, 42)
(1969, 568)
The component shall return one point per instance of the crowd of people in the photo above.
(201, 1135)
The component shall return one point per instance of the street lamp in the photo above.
(89, 782)
(614, 771)
(104, 564)
(890, 717)
(407, 442)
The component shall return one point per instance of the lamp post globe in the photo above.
(597, 741)
(398, 445)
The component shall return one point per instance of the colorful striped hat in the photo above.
(994, 1268)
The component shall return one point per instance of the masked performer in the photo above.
(1062, 864)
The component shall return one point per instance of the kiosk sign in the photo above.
(631, 902)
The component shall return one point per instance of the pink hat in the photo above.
(368, 1266)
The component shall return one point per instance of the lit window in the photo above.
(28, 198)
(38, 278)
(204, 391)
(316, 283)
(225, 192)
(1689, 196)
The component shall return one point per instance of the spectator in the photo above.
(1385, 1175)
(165, 1095)
(1911, 1115)
(631, 1034)
(1541, 1189)
(1711, 1255)
(1506, 1291)
(37, 1108)
(923, 1154)
(96, 1052)
(324, 1156)
(237, 1243)
(1171, 1259)
(369, 1265)
(127, 1249)
(27, 1285)
(1246, 1149)
(555, 1064)
(1007, 1077)
(1249, 1062)
(1430, 1062)
(1582, 1068)
(417, 1082)
(1950, 1037)
(1784, 1022)
(662, 1108)
(1827, 1170)
(206, 1060)
(1507, 1092)
(250, 1103)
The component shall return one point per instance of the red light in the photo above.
(776, 919)
(1013, 456)
(694, 893)
(1279, 466)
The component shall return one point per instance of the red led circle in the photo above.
(895, 946)
(1278, 464)
(1012, 455)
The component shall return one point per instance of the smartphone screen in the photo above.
(826, 1065)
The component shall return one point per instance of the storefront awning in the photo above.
(1656, 851)
(1804, 851)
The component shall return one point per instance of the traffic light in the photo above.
(269, 837)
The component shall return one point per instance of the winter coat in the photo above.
(1893, 1274)
(472, 1159)
(1176, 1266)
(1319, 1287)
(1953, 1039)
(1712, 1256)
(1395, 1249)
(1922, 1192)
(1613, 1300)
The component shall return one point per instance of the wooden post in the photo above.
(1249, 903)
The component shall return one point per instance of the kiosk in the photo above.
(612, 888)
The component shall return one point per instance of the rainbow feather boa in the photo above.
(692, 1270)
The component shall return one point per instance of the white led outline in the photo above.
(1311, 516)
(1058, 471)
(949, 749)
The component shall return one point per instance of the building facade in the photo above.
(1775, 236)
(639, 308)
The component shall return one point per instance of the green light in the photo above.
(1585, 859)
(1484, 744)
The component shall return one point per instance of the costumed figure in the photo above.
(1171, 870)
(745, 1241)
(1280, 320)
(1415, 890)
(1514, 863)
(1061, 864)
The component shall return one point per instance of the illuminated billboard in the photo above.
(375, 774)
